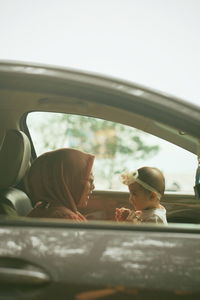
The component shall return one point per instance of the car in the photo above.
(101, 258)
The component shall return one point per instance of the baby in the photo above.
(146, 186)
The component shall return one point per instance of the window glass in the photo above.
(116, 147)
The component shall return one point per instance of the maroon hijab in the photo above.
(57, 181)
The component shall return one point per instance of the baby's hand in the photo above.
(122, 213)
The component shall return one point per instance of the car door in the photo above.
(62, 260)
(181, 208)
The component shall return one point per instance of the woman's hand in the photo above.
(121, 214)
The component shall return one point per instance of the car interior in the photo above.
(15, 159)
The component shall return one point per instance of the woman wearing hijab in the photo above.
(59, 183)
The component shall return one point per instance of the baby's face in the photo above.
(139, 197)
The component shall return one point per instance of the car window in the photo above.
(117, 148)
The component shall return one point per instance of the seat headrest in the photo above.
(15, 156)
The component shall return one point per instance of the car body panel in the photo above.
(140, 258)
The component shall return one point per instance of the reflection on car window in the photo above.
(117, 147)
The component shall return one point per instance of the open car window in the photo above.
(117, 147)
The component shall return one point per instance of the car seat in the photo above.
(15, 156)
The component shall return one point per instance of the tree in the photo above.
(114, 145)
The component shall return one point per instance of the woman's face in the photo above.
(89, 187)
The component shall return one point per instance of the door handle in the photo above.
(22, 272)
(23, 276)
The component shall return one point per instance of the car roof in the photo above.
(26, 87)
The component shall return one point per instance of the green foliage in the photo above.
(112, 143)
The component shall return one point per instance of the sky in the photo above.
(155, 43)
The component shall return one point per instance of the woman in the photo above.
(59, 183)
